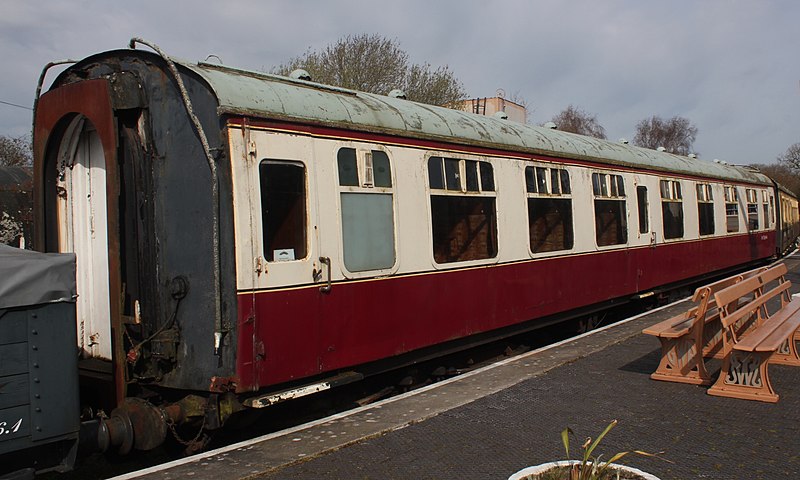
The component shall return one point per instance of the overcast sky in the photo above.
(731, 67)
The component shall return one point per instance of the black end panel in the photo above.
(175, 222)
(166, 219)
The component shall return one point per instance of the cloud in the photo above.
(728, 66)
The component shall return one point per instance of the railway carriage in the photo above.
(244, 238)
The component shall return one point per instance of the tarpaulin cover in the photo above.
(32, 278)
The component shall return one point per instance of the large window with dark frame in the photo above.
(731, 209)
(610, 212)
(463, 209)
(366, 195)
(549, 208)
(671, 208)
(752, 208)
(644, 210)
(283, 210)
(705, 209)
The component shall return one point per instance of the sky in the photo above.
(732, 67)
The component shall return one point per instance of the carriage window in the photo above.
(283, 207)
(772, 209)
(382, 173)
(367, 210)
(705, 208)
(471, 167)
(549, 209)
(609, 209)
(348, 172)
(435, 174)
(451, 174)
(463, 215)
(487, 176)
(644, 215)
(752, 208)
(731, 209)
(672, 208)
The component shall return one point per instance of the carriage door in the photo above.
(645, 235)
(279, 273)
(82, 229)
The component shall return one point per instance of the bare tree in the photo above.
(782, 173)
(15, 151)
(372, 63)
(676, 135)
(434, 87)
(575, 120)
(791, 158)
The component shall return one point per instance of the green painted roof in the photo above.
(242, 92)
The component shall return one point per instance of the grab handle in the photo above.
(327, 262)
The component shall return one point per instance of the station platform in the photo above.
(494, 421)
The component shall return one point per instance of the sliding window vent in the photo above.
(369, 177)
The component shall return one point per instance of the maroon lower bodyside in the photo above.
(290, 334)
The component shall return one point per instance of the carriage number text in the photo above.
(13, 429)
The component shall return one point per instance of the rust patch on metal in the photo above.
(223, 384)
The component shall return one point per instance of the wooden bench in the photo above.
(697, 333)
(753, 337)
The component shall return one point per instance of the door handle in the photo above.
(327, 287)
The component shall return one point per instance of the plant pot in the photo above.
(532, 473)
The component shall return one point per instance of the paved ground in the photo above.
(496, 422)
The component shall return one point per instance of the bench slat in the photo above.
(746, 309)
(677, 325)
(772, 333)
(770, 338)
(737, 291)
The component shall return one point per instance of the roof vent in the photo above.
(300, 74)
(623, 141)
(500, 115)
(550, 125)
(397, 93)
(661, 149)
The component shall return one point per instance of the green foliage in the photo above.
(591, 467)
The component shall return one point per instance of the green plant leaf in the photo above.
(565, 439)
(599, 438)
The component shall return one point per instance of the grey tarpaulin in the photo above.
(32, 278)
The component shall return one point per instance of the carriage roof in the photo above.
(270, 96)
(262, 95)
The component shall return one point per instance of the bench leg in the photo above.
(681, 362)
(786, 353)
(744, 375)
(712, 340)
